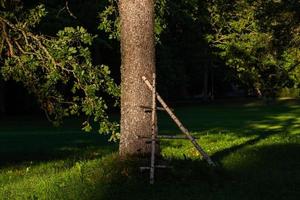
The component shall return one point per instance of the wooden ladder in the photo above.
(154, 136)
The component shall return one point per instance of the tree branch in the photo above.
(5, 36)
(294, 66)
(69, 11)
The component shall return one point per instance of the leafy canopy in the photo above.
(57, 70)
(110, 20)
(260, 40)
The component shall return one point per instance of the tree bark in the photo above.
(138, 59)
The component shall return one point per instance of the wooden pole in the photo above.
(154, 133)
(180, 125)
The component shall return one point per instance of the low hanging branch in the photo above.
(50, 66)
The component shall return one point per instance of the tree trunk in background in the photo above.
(258, 90)
(138, 59)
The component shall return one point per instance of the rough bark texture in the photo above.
(138, 59)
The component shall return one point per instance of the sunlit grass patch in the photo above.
(256, 148)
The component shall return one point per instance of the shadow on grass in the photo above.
(37, 141)
(267, 172)
(23, 139)
(250, 170)
(223, 153)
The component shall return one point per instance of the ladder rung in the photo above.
(157, 166)
(173, 137)
(150, 141)
(149, 109)
(165, 137)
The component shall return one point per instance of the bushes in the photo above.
(289, 92)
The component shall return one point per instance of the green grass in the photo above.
(256, 148)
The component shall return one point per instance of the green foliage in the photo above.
(110, 22)
(261, 47)
(57, 70)
(289, 92)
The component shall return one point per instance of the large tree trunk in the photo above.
(138, 59)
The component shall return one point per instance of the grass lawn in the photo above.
(256, 146)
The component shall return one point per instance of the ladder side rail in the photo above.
(154, 132)
(180, 125)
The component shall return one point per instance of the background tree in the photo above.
(249, 45)
(183, 56)
(259, 40)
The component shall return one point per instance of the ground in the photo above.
(255, 145)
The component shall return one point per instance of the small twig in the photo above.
(69, 11)
(294, 66)
(62, 9)
(43, 48)
(8, 23)
(25, 52)
(1, 46)
(25, 37)
(20, 48)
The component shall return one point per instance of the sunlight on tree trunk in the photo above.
(138, 59)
